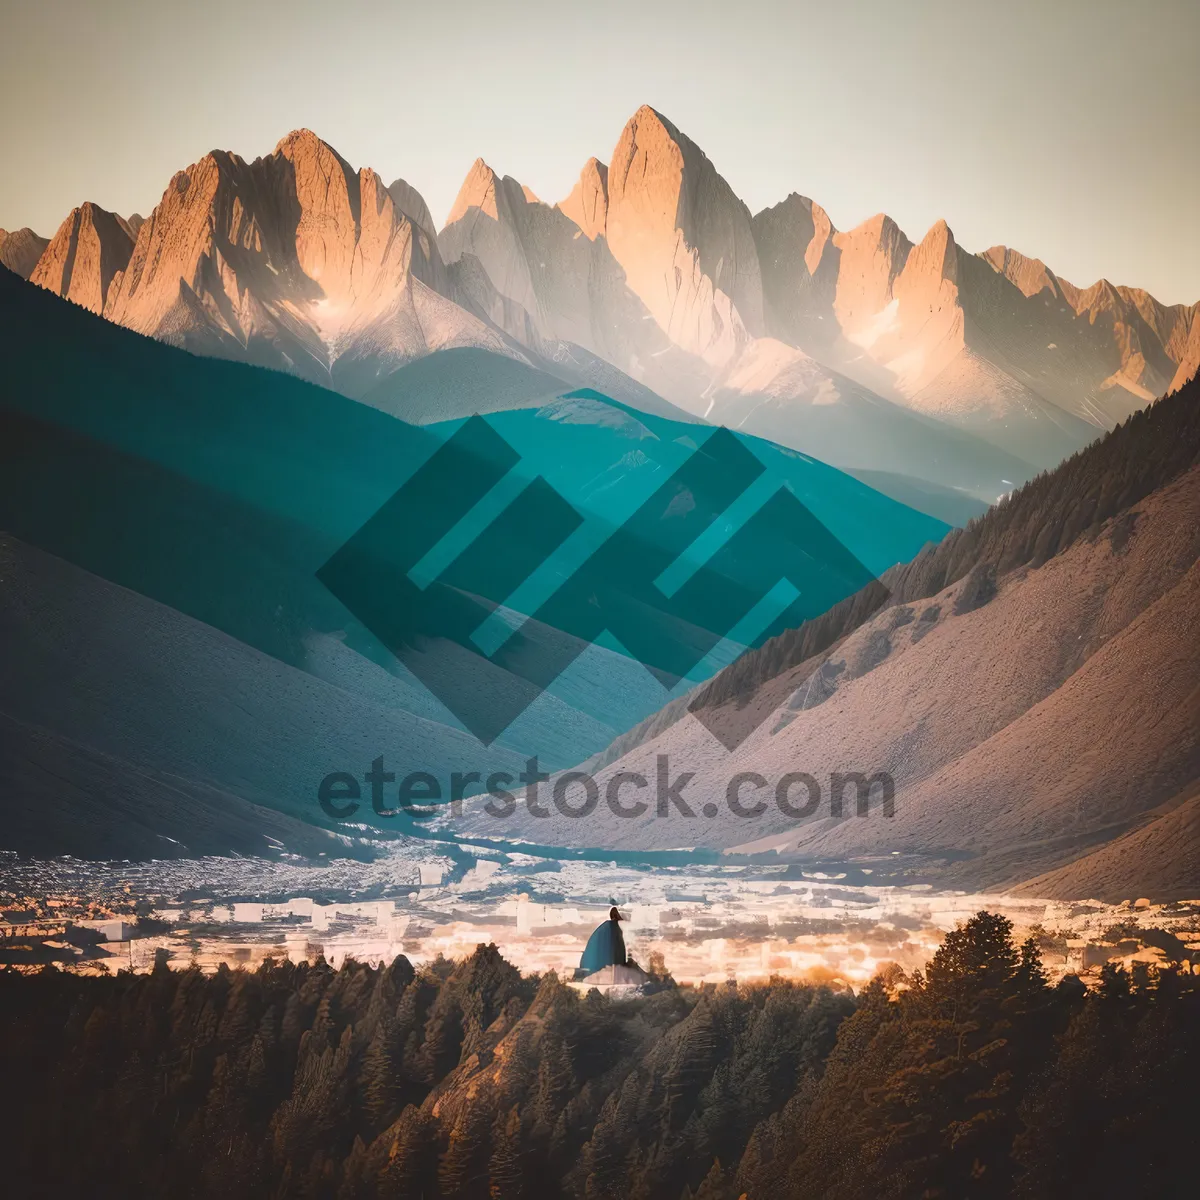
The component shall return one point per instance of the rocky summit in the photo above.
(651, 276)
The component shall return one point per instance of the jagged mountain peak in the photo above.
(478, 191)
(412, 204)
(296, 260)
(654, 141)
(937, 252)
(795, 230)
(305, 141)
(650, 117)
(20, 250)
(652, 265)
(795, 200)
(792, 198)
(674, 220)
(480, 187)
(796, 207)
(88, 251)
(873, 254)
(587, 205)
(1101, 297)
(939, 231)
(662, 145)
(1031, 275)
(879, 232)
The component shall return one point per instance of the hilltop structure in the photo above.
(605, 964)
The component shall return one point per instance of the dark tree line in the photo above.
(973, 1079)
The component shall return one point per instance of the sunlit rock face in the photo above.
(85, 257)
(294, 261)
(650, 274)
(683, 240)
(546, 276)
(1189, 362)
(678, 286)
(587, 205)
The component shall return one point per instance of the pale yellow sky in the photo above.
(1069, 129)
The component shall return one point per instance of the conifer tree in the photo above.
(507, 1167)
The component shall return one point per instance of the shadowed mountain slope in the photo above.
(167, 515)
(988, 685)
(1157, 859)
(20, 250)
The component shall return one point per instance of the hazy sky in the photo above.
(1067, 128)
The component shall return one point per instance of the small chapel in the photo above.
(605, 964)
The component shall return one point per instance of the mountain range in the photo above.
(161, 507)
(926, 369)
(177, 678)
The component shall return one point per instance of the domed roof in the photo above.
(605, 948)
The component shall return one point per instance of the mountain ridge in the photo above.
(651, 276)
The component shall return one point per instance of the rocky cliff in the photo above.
(20, 250)
(90, 250)
(650, 274)
(294, 261)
